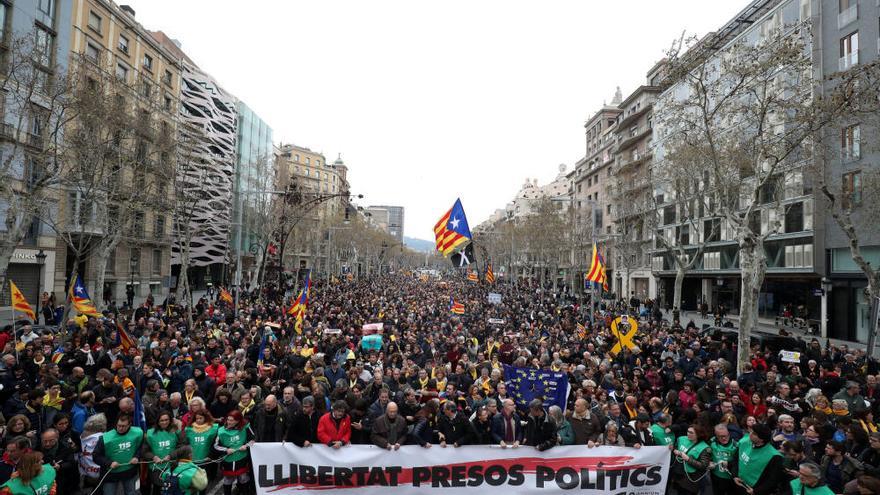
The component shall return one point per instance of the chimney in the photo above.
(127, 9)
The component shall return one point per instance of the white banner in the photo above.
(369, 470)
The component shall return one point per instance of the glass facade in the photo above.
(254, 172)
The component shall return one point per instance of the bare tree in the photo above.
(749, 110)
(37, 108)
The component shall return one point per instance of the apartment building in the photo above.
(106, 40)
(389, 219)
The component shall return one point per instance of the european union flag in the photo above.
(527, 384)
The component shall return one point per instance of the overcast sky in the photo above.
(429, 101)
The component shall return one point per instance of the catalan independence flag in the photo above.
(298, 310)
(19, 303)
(490, 275)
(80, 299)
(596, 276)
(582, 330)
(454, 307)
(452, 230)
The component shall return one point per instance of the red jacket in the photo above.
(216, 373)
(329, 431)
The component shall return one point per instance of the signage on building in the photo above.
(22, 256)
(818, 292)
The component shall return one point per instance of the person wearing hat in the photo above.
(691, 461)
(758, 467)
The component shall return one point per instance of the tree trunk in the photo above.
(679, 282)
(753, 267)
(183, 286)
(102, 255)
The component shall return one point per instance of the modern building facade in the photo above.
(38, 257)
(389, 218)
(254, 174)
(206, 169)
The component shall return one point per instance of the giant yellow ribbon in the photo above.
(623, 339)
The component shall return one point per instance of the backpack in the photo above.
(171, 483)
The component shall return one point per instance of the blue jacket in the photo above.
(498, 428)
(333, 377)
(79, 413)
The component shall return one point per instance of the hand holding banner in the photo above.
(369, 470)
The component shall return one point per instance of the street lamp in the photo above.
(132, 265)
(41, 260)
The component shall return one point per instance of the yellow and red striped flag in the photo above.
(225, 296)
(490, 275)
(472, 276)
(19, 303)
(456, 307)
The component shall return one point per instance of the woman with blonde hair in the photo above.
(32, 477)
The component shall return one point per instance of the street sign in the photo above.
(494, 298)
(818, 292)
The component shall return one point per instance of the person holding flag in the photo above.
(454, 307)
(490, 275)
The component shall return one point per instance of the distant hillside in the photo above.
(419, 244)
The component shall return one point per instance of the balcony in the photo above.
(632, 140)
(849, 60)
(637, 159)
(848, 16)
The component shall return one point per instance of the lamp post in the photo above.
(132, 265)
(41, 260)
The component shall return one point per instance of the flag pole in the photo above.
(593, 285)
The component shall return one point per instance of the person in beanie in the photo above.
(190, 478)
(233, 440)
(334, 427)
(758, 468)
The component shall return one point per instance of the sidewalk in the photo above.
(769, 325)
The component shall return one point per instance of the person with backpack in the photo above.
(233, 440)
(162, 441)
(183, 477)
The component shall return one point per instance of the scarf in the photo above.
(868, 427)
(246, 408)
(201, 428)
(55, 402)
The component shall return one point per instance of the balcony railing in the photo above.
(849, 60)
(847, 16)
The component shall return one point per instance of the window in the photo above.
(146, 88)
(44, 46)
(46, 7)
(852, 189)
(148, 62)
(296, 158)
(123, 44)
(159, 227)
(799, 256)
(95, 22)
(157, 262)
(168, 103)
(308, 161)
(849, 12)
(135, 261)
(138, 224)
(850, 137)
(849, 51)
(122, 72)
(167, 77)
(608, 209)
(712, 261)
(93, 53)
(794, 218)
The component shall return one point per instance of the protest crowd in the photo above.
(137, 402)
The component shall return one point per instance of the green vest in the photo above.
(798, 489)
(233, 439)
(121, 448)
(38, 486)
(722, 453)
(185, 471)
(201, 442)
(753, 461)
(692, 450)
(660, 435)
(162, 443)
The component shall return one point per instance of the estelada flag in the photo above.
(456, 307)
(124, 339)
(19, 303)
(452, 229)
(80, 299)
